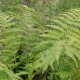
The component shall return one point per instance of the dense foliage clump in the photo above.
(40, 40)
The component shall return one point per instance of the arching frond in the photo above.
(64, 35)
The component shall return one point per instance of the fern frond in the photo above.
(19, 28)
(65, 38)
(6, 74)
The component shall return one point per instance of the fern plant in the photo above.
(29, 49)
(60, 38)
(5, 72)
(18, 31)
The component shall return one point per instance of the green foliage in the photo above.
(63, 34)
(48, 8)
(6, 74)
(31, 49)
(5, 5)
(17, 35)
